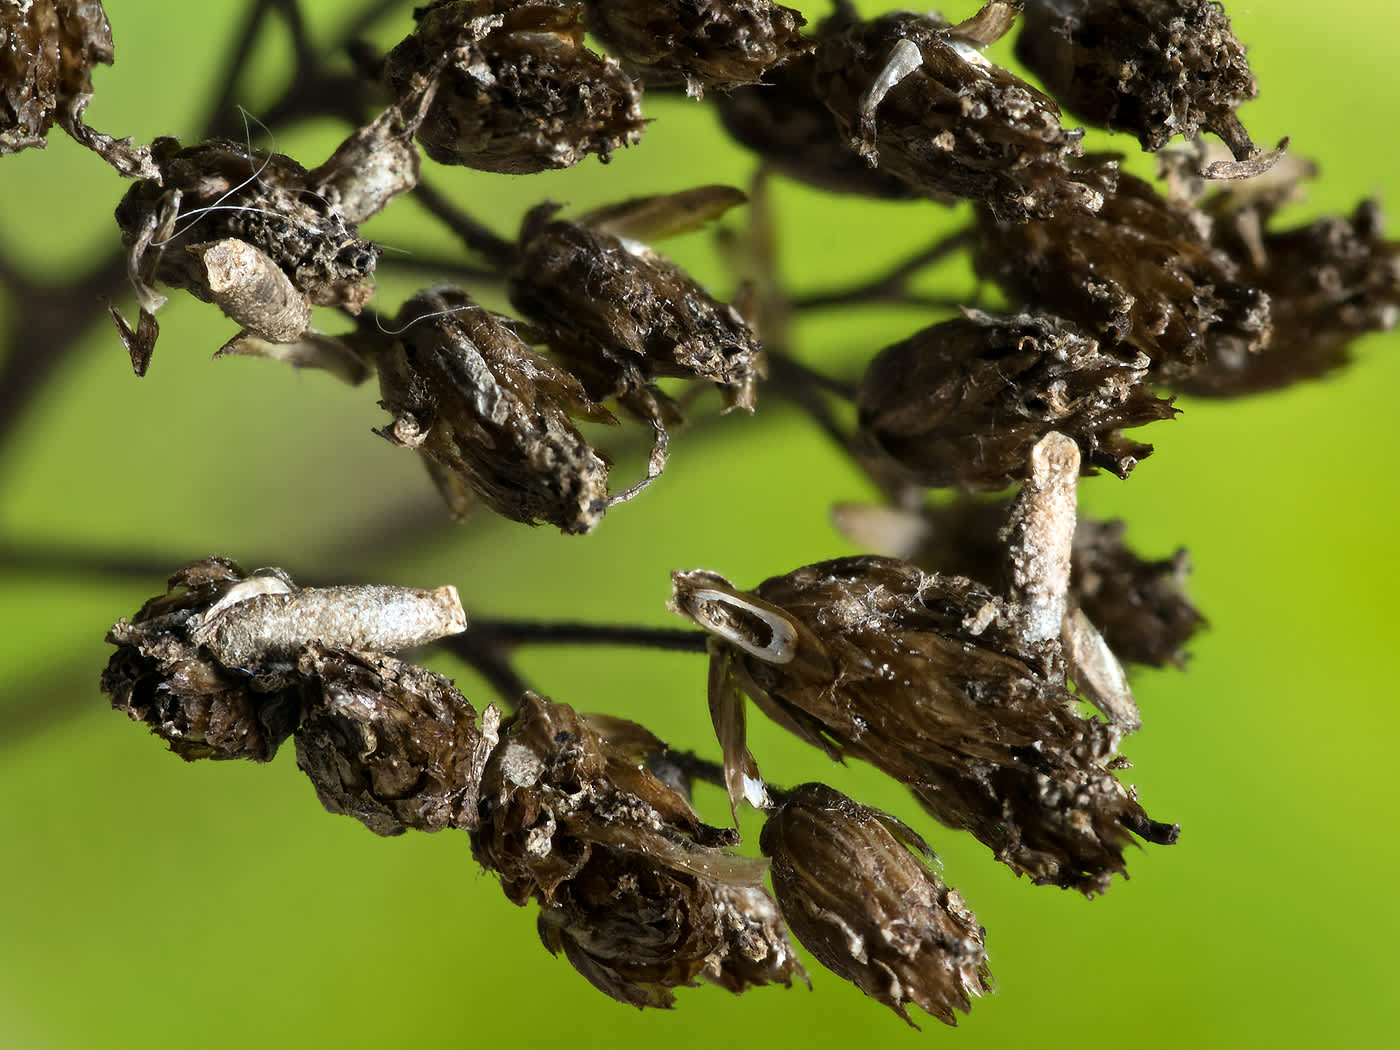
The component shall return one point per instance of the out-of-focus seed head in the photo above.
(493, 414)
(632, 887)
(931, 679)
(1140, 275)
(391, 744)
(160, 674)
(1139, 605)
(961, 403)
(517, 90)
(625, 315)
(785, 123)
(701, 43)
(914, 94)
(1154, 68)
(855, 893)
(48, 49)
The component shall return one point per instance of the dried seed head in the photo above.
(631, 885)
(493, 414)
(161, 676)
(855, 893)
(930, 679)
(626, 315)
(961, 403)
(785, 123)
(914, 94)
(517, 91)
(703, 43)
(393, 745)
(1140, 275)
(1140, 606)
(1154, 68)
(48, 49)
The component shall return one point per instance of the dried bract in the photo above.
(931, 679)
(393, 745)
(517, 91)
(624, 315)
(492, 414)
(1140, 275)
(632, 887)
(914, 94)
(961, 403)
(702, 43)
(160, 675)
(785, 123)
(1154, 68)
(1139, 605)
(855, 893)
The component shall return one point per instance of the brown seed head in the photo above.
(517, 91)
(855, 893)
(492, 414)
(48, 49)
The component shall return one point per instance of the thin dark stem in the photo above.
(488, 660)
(892, 286)
(495, 249)
(526, 632)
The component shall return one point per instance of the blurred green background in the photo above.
(151, 903)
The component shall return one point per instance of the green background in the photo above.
(151, 903)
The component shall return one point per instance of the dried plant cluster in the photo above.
(976, 654)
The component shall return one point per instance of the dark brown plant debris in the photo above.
(915, 95)
(260, 213)
(962, 403)
(856, 886)
(391, 744)
(211, 665)
(625, 316)
(517, 90)
(493, 415)
(1141, 275)
(48, 49)
(701, 43)
(1139, 605)
(1153, 68)
(632, 887)
(787, 124)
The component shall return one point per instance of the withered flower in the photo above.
(1154, 68)
(855, 892)
(391, 744)
(632, 887)
(492, 414)
(1139, 605)
(932, 679)
(625, 316)
(517, 90)
(914, 94)
(702, 43)
(785, 123)
(211, 666)
(1141, 275)
(962, 403)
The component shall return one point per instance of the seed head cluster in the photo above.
(978, 654)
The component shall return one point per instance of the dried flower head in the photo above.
(1140, 275)
(391, 744)
(787, 124)
(625, 316)
(491, 414)
(934, 680)
(914, 94)
(855, 886)
(961, 403)
(517, 90)
(211, 665)
(1139, 605)
(47, 51)
(632, 887)
(702, 43)
(1154, 68)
